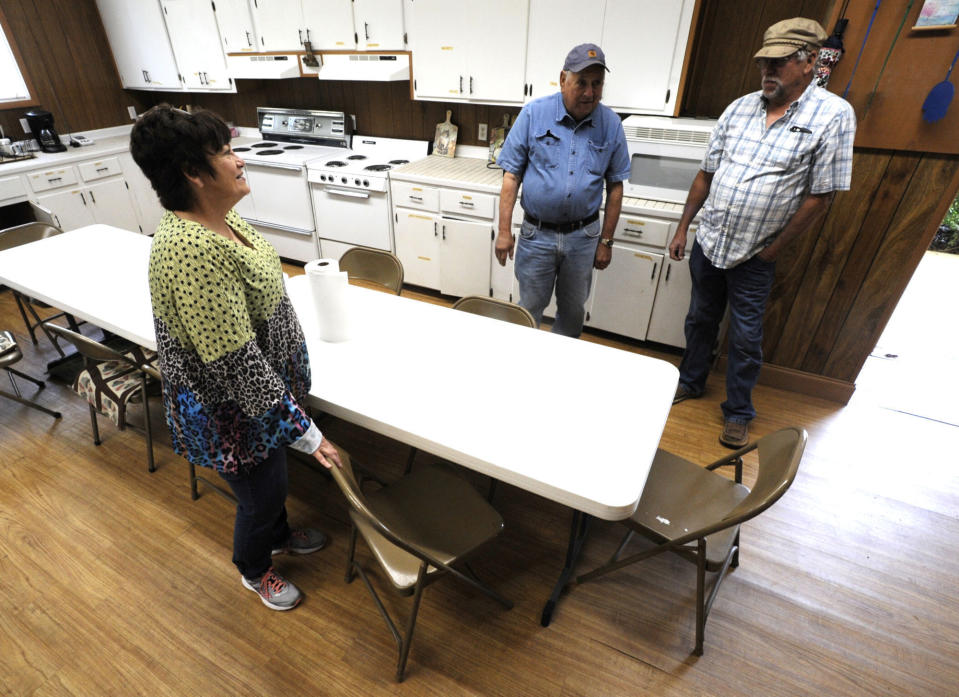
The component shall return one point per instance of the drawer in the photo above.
(467, 203)
(52, 178)
(12, 187)
(648, 231)
(426, 198)
(98, 169)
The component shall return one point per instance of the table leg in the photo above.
(579, 529)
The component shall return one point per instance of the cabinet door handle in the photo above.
(103, 169)
(93, 198)
(83, 198)
(435, 233)
(299, 33)
(669, 268)
(148, 76)
(468, 204)
(444, 232)
(461, 84)
(54, 179)
(308, 36)
(145, 78)
(366, 30)
(416, 198)
(471, 84)
(653, 274)
(249, 41)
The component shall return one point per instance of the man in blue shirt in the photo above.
(774, 162)
(563, 148)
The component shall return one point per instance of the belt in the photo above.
(563, 227)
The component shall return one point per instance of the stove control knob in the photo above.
(322, 177)
(356, 181)
(366, 182)
(344, 180)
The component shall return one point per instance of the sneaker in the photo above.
(305, 541)
(683, 393)
(735, 434)
(275, 592)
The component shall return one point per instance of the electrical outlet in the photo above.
(132, 112)
(481, 135)
(25, 126)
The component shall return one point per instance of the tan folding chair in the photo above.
(696, 513)
(374, 266)
(24, 234)
(417, 529)
(9, 354)
(496, 309)
(110, 381)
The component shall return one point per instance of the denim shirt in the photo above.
(562, 164)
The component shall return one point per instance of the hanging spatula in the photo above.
(940, 96)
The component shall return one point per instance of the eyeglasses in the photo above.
(775, 63)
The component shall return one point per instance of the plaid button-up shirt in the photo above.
(761, 175)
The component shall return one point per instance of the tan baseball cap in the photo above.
(788, 36)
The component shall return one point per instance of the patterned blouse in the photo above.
(232, 353)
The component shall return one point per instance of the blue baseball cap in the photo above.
(583, 56)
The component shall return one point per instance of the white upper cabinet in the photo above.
(236, 26)
(328, 25)
(195, 39)
(645, 45)
(470, 50)
(279, 24)
(379, 25)
(138, 38)
(551, 35)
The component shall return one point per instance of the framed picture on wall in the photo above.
(938, 14)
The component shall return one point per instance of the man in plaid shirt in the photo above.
(774, 162)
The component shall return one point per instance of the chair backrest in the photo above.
(89, 348)
(373, 265)
(779, 457)
(496, 309)
(28, 232)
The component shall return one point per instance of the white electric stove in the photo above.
(351, 193)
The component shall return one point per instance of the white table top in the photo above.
(569, 420)
(98, 273)
(572, 421)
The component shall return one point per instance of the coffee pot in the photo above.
(41, 125)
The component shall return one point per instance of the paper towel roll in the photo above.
(331, 299)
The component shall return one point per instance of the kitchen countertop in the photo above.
(109, 141)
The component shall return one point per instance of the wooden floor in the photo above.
(113, 582)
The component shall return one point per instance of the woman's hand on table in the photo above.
(326, 455)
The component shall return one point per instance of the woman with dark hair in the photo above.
(232, 353)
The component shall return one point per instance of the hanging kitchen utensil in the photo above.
(831, 50)
(445, 141)
(872, 94)
(864, 39)
(940, 96)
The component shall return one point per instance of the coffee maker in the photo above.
(41, 124)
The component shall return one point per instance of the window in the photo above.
(14, 86)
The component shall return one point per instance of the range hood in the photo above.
(263, 67)
(373, 67)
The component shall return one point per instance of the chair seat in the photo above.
(11, 354)
(110, 385)
(435, 511)
(681, 496)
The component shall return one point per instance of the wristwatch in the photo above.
(608, 241)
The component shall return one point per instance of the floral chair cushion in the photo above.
(108, 386)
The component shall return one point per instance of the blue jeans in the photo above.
(746, 287)
(546, 259)
(261, 523)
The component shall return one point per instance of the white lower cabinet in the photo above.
(418, 247)
(624, 292)
(667, 324)
(464, 252)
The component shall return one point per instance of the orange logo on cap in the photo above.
(591, 54)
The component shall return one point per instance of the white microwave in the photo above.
(664, 155)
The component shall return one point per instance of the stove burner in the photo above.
(241, 149)
(335, 163)
(270, 152)
(292, 147)
(377, 168)
(263, 145)
(398, 162)
(356, 157)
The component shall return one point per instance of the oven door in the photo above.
(279, 197)
(353, 216)
(662, 171)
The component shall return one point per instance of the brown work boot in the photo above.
(735, 434)
(683, 393)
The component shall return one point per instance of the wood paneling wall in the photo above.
(836, 286)
(68, 61)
